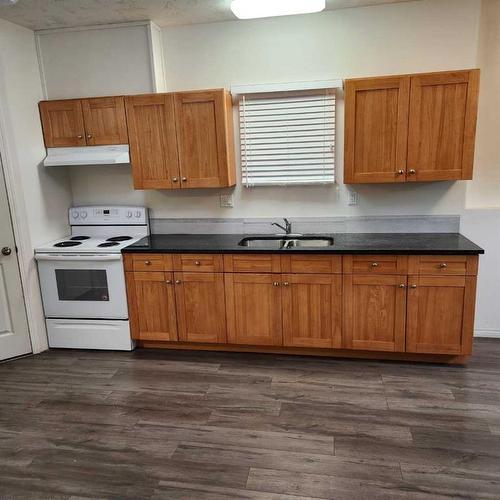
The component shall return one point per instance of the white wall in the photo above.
(409, 37)
(41, 196)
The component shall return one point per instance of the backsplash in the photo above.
(357, 224)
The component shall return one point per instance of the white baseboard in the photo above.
(489, 333)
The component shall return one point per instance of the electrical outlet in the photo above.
(226, 200)
(352, 198)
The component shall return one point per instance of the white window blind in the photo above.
(288, 139)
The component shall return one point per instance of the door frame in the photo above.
(25, 258)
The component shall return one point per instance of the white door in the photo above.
(14, 334)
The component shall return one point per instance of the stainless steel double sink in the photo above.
(284, 242)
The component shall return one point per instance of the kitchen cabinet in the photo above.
(181, 140)
(374, 312)
(254, 311)
(359, 305)
(200, 302)
(440, 314)
(152, 305)
(312, 310)
(84, 122)
(153, 143)
(408, 128)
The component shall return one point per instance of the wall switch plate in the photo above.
(226, 200)
(352, 197)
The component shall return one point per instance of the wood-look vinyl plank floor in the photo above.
(155, 424)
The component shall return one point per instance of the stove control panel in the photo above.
(107, 215)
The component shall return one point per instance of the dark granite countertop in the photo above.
(344, 243)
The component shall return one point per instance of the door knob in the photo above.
(6, 251)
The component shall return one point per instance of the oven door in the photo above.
(83, 286)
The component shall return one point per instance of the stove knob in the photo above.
(129, 214)
(83, 215)
(75, 215)
(138, 214)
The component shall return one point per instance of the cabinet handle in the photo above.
(412, 171)
(402, 285)
(443, 265)
(401, 172)
(147, 262)
(286, 283)
(276, 283)
(89, 136)
(177, 282)
(168, 282)
(197, 262)
(374, 264)
(174, 179)
(184, 179)
(413, 286)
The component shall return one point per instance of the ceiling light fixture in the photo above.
(250, 9)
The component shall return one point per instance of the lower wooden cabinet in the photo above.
(152, 306)
(201, 311)
(440, 314)
(253, 308)
(374, 312)
(312, 310)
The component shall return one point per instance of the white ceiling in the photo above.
(44, 14)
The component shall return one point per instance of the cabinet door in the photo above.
(201, 312)
(442, 125)
(374, 312)
(105, 121)
(312, 305)
(253, 303)
(204, 138)
(376, 129)
(152, 306)
(62, 123)
(153, 146)
(440, 314)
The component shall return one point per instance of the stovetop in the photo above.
(85, 244)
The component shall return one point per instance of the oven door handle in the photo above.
(88, 258)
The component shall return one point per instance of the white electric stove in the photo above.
(83, 281)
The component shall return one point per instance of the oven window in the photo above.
(82, 285)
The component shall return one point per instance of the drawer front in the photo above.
(208, 263)
(256, 263)
(305, 264)
(152, 262)
(439, 265)
(375, 264)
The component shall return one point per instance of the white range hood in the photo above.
(87, 155)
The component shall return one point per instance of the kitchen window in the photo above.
(287, 138)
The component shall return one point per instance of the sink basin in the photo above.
(283, 242)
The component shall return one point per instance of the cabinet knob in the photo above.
(412, 171)
(286, 283)
(168, 282)
(413, 286)
(443, 265)
(184, 179)
(147, 262)
(89, 136)
(401, 172)
(374, 264)
(79, 136)
(197, 262)
(174, 179)
(177, 282)
(402, 285)
(276, 283)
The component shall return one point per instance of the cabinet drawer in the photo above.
(305, 264)
(375, 264)
(208, 263)
(255, 263)
(444, 265)
(151, 262)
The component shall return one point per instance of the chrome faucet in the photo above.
(287, 227)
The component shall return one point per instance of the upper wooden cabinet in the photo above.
(153, 146)
(411, 127)
(84, 122)
(182, 140)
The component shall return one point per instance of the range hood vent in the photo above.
(87, 155)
